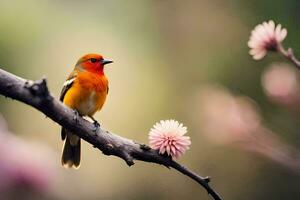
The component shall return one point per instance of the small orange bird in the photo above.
(85, 91)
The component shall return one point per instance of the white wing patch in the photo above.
(68, 82)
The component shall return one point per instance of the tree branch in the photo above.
(37, 95)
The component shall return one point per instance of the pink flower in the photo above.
(227, 119)
(167, 136)
(280, 82)
(265, 37)
(23, 165)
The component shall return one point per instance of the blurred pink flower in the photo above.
(23, 164)
(265, 37)
(167, 136)
(227, 119)
(232, 120)
(281, 84)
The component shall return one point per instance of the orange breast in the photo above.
(88, 93)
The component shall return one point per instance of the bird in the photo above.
(85, 92)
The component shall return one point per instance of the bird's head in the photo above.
(92, 63)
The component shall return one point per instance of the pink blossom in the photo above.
(227, 119)
(23, 164)
(167, 136)
(265, 37)
(281, 83)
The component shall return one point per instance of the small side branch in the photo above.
(36, 94)
(289, 54)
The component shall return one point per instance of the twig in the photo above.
(37, 95)
(289, 54)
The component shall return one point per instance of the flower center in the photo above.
(271, 45)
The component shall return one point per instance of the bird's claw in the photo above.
(76, 116)
(96, 125)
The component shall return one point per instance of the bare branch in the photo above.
(37, 95)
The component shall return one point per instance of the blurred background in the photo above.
(172, 59)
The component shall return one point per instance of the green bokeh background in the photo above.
(163, 52)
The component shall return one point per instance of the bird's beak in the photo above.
(104, 62)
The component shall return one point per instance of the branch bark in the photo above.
(36, 94)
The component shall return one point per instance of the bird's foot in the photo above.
(96, 125)
(77, 115)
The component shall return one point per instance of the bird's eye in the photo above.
(93, 60)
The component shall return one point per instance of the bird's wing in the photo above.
(67, 85)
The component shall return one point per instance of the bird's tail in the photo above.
(71, 151)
